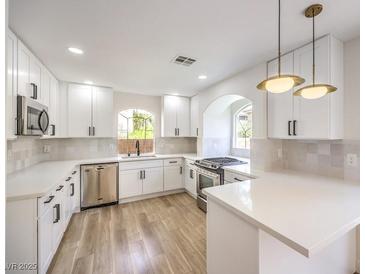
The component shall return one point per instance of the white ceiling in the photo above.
(129, 44)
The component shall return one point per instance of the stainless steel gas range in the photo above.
(210, 173)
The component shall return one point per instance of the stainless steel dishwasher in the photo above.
(99, 185)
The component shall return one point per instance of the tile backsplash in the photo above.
(327, 158)
(27, 151)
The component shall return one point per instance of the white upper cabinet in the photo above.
(90, 111)
(103, 112)
(79, 110)
(11, 83)
(24, 57)
(280, 105)
(292, 117)
(194, 116)
(54, 108)
(45, 86)
(175, 116)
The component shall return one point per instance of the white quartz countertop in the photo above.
(39, 179)
(306, 212)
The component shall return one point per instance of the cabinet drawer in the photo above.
(232, 177)
(140, 164)
(172, 162)
(45, 202)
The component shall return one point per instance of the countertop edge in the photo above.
(294, 245)
(75, 163)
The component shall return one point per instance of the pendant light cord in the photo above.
(279, 52)
(314, 53)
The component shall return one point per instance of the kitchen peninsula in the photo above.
(283, 222)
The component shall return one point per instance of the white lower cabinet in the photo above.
(190, 178)
(173, 174)
(35, 227)
(45, 239)
(152, 180)
(130, 183)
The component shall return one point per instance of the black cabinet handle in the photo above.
(172, 162)
(289, 128)
(175, 131)
(295, 127)
(181, 170)
(144, 174)
(239, 180)
(191, 174)
(72, 189)
(89, 131)
(93, 131)
(141, 174)
(49, 199)
(68, 179)
(74, 172)
(178, 132)
(35, 91)
(57, 207)
(59, 188)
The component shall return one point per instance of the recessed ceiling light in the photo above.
(76, 50)
(88, 82)
(202, 77)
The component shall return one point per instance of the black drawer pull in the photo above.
(58, 215)
(289, 128)
(49, 199)
(74, 172)
(295, 127)
(68, 179)
(59, 188)
(173, 162)
(239, 180)
(72, 189)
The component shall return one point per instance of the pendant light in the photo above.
(314, 91)
(281, 82)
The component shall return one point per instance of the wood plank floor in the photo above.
(159, 235)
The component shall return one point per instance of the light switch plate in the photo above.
(351, 159)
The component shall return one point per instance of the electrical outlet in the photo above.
(351, 159)
(46, 148)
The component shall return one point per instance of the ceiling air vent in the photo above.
(183, 60)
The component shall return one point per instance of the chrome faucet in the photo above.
(137, 147)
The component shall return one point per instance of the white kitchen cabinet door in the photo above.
(280, 105)
(183, 117)
(45, 86)
(173, 177)
(314, 116)
(54, 108)
(79, 110)
(75, 197)
(24, 57)
(45, 245)
(130, 183)
(103, 112)
(169, 115)
(152, 180)
(35, 77)
(190, 179)
(194, 116)
(58, 220)
(11, 83)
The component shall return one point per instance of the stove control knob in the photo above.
(214, 166)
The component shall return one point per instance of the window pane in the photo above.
(243, 127)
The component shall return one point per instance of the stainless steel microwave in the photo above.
(32, 117)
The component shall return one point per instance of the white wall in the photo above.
(352, 89)
(242, 84)
(152, 104)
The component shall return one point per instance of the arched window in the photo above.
(133, 125)
(243, 127)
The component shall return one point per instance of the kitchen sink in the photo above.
(138, 157)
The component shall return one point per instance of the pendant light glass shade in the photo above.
(314, 91)
(280, 83)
